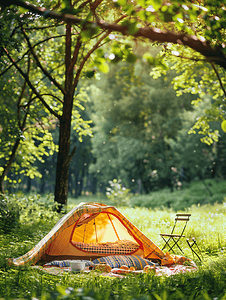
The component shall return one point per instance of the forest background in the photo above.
(140, 120)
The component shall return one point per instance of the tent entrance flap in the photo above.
(102, 233)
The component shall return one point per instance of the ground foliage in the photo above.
(37, 216)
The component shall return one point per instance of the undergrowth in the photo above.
(209, 191)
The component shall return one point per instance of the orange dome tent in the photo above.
(89, 231)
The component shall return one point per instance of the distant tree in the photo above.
(78, 171)
(194, 159)
(219, 168)
(132, 125)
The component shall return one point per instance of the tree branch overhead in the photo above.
(215, 55)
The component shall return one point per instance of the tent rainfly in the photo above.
(90, 231)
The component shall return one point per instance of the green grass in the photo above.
(195, 193)
(207, 225)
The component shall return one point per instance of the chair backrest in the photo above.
(181, 218)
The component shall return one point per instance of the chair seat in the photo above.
(172, 235)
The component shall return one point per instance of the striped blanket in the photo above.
(116, 261)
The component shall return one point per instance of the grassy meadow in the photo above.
(152, 214)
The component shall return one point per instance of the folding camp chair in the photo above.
(172, 239)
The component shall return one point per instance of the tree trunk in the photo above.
(43, 181)
(70, 191)
(1, 185)
(63, 158)
(28, 189)
(94, 185)
(76, 181)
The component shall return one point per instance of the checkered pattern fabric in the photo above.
(119, 247)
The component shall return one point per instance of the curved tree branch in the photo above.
(57, 98)
(215, 55)
(26, 77)
(27, 52)
(219, 79)
(96, 46)
(48, 75)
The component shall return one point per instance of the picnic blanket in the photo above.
(117, 272)
(134, 265)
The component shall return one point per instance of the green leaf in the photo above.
(85, 35)
(122, 2)
(149, 58)
(141, 2)
(142, 15)
(88, 33)
(223, 125)
(23, 10)
(167, 16)
(156, 4)
(130, 10)
(103, 67)
(90, 74)
(116, 59)
(65, 4)
(131, 58)
(99, 52)
(133, 28)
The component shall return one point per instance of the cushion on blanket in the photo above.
(116, 261)
(66, 263)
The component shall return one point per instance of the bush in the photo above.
(118, 194)
(15, 211)
(9, 214)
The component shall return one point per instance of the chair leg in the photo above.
(191, 247)
(175, 244)
(166, 242)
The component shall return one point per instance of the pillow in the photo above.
(66, 263)
(116, 261)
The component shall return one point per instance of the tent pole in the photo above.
(84, 234)
(94, 223)
(113, 227)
